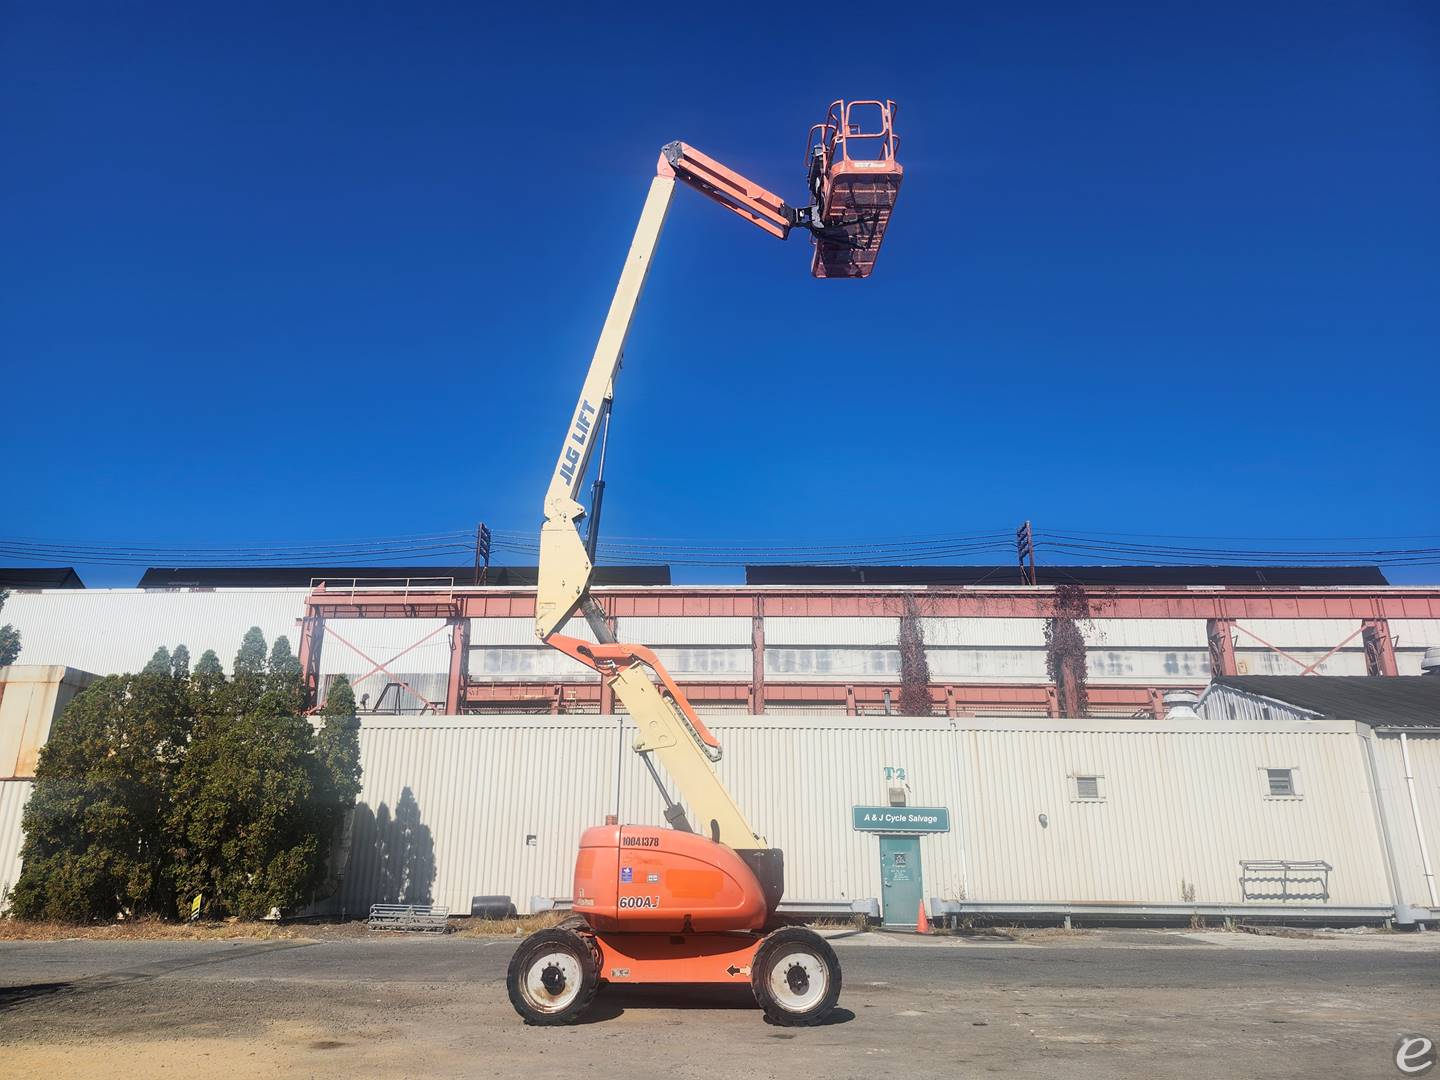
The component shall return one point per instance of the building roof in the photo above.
(39, 577)
(261, 577)
(1009, 574)
(1382, 700)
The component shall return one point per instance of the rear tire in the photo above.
(795, 977)
(553, 977)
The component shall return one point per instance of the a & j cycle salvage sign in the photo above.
(904, 819)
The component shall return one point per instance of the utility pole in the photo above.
(482, 554)
(1025, 549)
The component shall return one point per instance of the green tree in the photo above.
(337, 746)
(249, 675)
(250, 660)
(96, 843)
(209, 666)
(209, 691)
(254, 815)
(9, 637)
(282, 673)
(159, 785)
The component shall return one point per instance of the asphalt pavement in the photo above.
(1095, 1004)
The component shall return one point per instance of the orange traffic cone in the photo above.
(922, 921)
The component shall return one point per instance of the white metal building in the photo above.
(1045, 818)
(1401, 719)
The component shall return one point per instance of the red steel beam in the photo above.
(1129, 602)
(1040, 696)
(757, 659)
(1379, 648)
(459, 663)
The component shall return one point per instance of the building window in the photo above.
(1087, 789)
(1192, 662)
(1280, 783)
(839, 661)
(1111, 663)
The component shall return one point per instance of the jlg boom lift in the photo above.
(691, 903)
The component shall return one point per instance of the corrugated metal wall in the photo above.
(1182, 805)
(354, 646)
(1404, 833)
(491, 805)
(31, 697)
(1224, 704)
(112, 631)
(454, 807)
(798, 777)
(14, 794)
(1412, 638)
(1306, 641)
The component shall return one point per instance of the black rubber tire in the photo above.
(531, 949)
(787, 941)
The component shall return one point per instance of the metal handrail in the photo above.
(835, 131)
(404, 585)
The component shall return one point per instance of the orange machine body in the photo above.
(640, 879)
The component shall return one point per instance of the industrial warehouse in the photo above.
(1252, 742)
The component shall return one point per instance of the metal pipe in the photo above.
(1377, 803)
(674, 812)
(598, 621)
(597, 489)
(1419, 828)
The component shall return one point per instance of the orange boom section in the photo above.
(854, 180)
(661, 881)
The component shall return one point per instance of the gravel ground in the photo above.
(1093, 1004)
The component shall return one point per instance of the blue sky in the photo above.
(281, 273)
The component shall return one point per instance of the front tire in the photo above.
(552, 977)
(795, 977)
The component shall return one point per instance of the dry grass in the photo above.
(855, 922)
(157, 930)
(516, 927)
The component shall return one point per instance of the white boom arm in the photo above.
(564, 563)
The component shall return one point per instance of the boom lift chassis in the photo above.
(679, 905)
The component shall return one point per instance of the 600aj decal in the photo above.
(640, 901)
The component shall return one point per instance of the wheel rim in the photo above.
(552, 981)
(799, 980)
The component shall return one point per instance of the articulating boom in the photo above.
(850, 208)
(664, 906)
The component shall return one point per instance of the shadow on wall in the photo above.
(392, 857)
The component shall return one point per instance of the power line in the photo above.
(892, 550)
